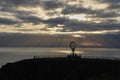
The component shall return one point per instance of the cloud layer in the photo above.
(104, 15)
(64, 18)
(43, 40)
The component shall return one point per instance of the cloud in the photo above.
(104, 14)
(39, 40)
(29, 11)
(76, 25)
(21, 2)
(57, 20)
(47, 4)
(95, 13)
(20, 10)
(91, 26)
(110, 1)
(52, 4)
(6, 21)
(75, 10)
(114, 6)
(35, 24)
(30, 19)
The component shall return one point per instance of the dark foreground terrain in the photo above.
(61, 69)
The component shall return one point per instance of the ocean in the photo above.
(8, 55)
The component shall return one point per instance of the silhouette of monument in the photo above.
(73, 46)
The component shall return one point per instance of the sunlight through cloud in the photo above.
(80, 17)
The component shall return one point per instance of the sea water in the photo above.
(8, 55)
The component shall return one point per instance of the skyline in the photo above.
(89, 22)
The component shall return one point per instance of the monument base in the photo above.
(73, 56)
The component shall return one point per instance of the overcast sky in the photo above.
(95, 22)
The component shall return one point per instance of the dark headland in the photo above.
(61, 69)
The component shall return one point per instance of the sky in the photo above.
(54, 23)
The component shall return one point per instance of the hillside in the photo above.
(61, 69)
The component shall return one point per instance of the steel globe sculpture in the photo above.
(73, 46)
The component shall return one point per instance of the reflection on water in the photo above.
(15, 54)
(67, 51)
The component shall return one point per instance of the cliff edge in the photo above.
(61, 69)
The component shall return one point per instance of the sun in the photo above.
(80, 17)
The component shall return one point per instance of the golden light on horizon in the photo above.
(69, 52)
(90, 44)
(77, 36)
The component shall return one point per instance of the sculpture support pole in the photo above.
(73, 52)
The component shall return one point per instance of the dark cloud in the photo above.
(21, 2)
(31, 40)
(58, 20)
(75, 25)
(110, 1)
(104, 14)
(21, 14)
(110, 21)
(106, 40)
(30, 19)
(114, 6)
(24, 16)
(11, 6)
(46, 4)
(52, 4)
(91, 26)
(96, 13)
(75, 10)
(34, 40)
(15, 11)
(107, 26)
(6, 21)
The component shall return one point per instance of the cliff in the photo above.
(61, 69)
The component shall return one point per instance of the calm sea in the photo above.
(16, 54)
